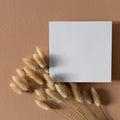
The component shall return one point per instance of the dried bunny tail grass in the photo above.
(41, 55)
(62, 89)
(31, 63)
(33, 75)
(96, 97)
(41, 94)
(21, 73)
(15, 88)
(39, 61)
(24, 86)
(87, 97)
(76, 93)
(50, 81)
(43, 105)
(54, 95)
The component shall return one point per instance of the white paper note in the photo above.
(80, 51)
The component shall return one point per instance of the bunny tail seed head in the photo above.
(39, 52)
(62, 89)
(33, 75)
(20, 83)
(54, 95)
(96, 97)
(42, 105)
(41, 94)
(15, 88)
(76, 93)
(39, 61)
(31, 63)
(21, 73)
(49, 81)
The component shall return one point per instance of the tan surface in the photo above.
(24, 24)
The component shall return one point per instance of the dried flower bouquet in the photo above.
(64, 99)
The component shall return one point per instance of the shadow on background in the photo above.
(116, 51)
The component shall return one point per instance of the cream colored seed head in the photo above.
(39, 61)
(76, 93)
(33, 75)
(41, 94)
(54, 95)
(50, 81)
(15, 88)
(42, 105)
(40, 53)
(62, 89)
(96, 97)
(24, 86)
(87, 98)
(31, 63)
(21, 73)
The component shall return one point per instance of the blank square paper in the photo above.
(80, 51)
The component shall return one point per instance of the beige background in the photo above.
(24, 24)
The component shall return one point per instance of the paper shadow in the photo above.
(56, 60)
(116, 51)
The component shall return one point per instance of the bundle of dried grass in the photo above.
(52, 95)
